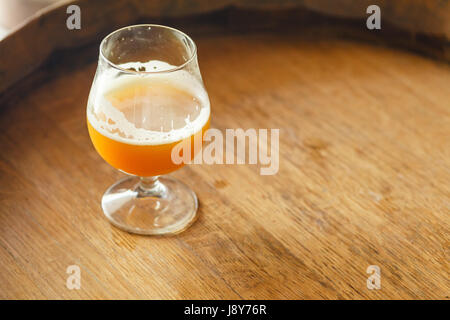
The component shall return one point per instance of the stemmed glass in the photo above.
(147, 99)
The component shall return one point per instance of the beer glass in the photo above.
(146, 99)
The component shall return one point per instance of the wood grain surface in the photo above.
(363, 180)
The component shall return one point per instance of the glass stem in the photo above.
(151, 187)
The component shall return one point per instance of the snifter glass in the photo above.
(147, 99)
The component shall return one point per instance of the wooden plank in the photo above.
(363, 179)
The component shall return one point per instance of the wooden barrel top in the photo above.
(363, 180)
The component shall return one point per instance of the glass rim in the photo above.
(175, 68)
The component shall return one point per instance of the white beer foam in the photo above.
(117, 127)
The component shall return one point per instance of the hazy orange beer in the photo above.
(140, 160)
(137, 101)
(145, 103)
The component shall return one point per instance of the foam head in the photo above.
(148, 108)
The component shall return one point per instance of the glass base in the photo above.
(150, 206)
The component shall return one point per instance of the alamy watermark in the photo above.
(74, 19)
(374, 280)
(252, 147)
(74, 279)
(374, 20)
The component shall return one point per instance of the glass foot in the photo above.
(150, 206)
